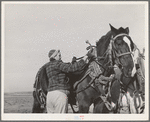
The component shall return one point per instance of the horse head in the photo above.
(117, 48)
(123, 47)
(124, 56)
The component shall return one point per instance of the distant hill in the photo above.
(28, 93)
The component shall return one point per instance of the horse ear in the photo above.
(127, 30)
(112, 28)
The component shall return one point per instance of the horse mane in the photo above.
(103, 43)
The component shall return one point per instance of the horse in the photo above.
(111, 49)
(40, 91)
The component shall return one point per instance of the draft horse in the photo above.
(112, 49)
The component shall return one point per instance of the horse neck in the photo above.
(115, 91)
(129, 84)
(102, 47)
(101, 52)
(103, 43)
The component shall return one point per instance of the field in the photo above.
(20, 102)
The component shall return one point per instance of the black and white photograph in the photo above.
(74, 60)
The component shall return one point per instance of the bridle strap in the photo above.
(114, 50)
(127, 85)
(113, 45)
(119, 55)
(122, 34)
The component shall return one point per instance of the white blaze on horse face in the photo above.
(129, 45)
(128, 42)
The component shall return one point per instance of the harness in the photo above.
(111, 52)
(141, 81)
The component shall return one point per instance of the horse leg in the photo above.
(84, 103)
(83, 107)
(100, 107)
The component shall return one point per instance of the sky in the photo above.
(31, 29)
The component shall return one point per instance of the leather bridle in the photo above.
(114, 55)
(117, 56)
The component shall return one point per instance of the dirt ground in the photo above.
(22, 103)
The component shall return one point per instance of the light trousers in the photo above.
(57, 101)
